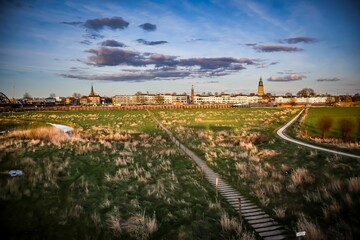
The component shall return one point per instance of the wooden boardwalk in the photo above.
(262, 223)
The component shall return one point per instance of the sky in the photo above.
(123, 46)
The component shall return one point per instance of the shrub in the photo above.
(325, 123)
(346, 127)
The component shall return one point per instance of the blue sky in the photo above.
(122, 47)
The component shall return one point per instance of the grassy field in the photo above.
(116, 176)
(336, 113)
(307, 190)
(119, 176)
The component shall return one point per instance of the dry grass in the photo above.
(47, 134)
(312, 230)
(229, 224)
(280, 212)
(140, 226)
(354, 184)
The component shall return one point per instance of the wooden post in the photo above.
(217, 185)
(239, 202)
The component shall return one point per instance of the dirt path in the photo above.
(281, 133)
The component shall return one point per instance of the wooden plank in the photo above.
(266, 229)
(257, 217)
(272, 233)
(277, 237)
(265, 224)
(262, 220)
(256, 213)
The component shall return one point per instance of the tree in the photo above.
(330, 100)
(52, 95)
(159, 99)
(27, 95)
(76, 95)
(356, 97)
(346, 127)
(325, 123)
(288, 94)
(306, 92)
(292, 101)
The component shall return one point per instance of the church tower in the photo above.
(92, 91)
(261, 88)
(192, 94)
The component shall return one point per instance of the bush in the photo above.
(325, 123)
(347, 126)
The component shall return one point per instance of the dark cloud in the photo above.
(287, 78)
(139, 76)
(148, 27)
(72, 23)
(273, 63)
(142, 41)
(100, 23)
(159, 66)
(271, 48)
(299, 40)
(335, 79)
(250, 44)
(94, 36)
(85, 42)
(112, 43)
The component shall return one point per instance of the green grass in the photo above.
(242, 146)
(336, 113)
(118, 167)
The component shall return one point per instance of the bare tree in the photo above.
(325, 123)
(76, 95)
(288, 94)
(306, 92)
(52, 95)
(27, 95)
(347, 126)
(292, 101)
(159, 99)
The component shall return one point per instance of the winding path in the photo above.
(261, 222)
(281, 133)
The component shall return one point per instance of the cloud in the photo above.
(112, 43)
(142, 41)
(159, 66)
(271, 48)
(299, 40)
(335, 79)
(273, 63)
(94, 36)
(85, 42)
(139, 76)
(287, 78)
(148, 27)
(250, 44)
(100, 23)
(72, 23)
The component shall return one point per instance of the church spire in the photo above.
(92, 91)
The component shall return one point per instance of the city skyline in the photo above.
(122, 47)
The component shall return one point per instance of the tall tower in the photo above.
(192, 94)
(261, 88)
(92, 91)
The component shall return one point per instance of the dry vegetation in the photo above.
(115, 176)
(293, 184)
